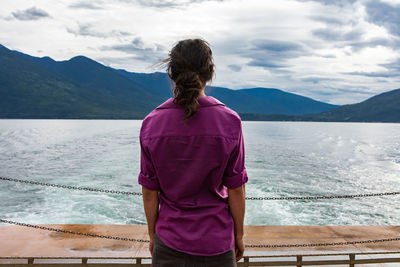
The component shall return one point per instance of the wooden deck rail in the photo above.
(350, 259)
(24, 246)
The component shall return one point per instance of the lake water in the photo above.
(282, 159)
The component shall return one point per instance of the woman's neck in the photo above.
(202, 92)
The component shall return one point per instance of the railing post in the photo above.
(246, 261)
(352, 258)
(30, 261)
(139, 261)
(299, 260)
(84, 260)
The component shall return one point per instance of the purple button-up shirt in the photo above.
(192, 166)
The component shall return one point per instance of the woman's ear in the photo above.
(211, 67)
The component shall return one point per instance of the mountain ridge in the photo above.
(384, 107)
(82, 88)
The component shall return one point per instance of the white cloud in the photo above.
(337, 52)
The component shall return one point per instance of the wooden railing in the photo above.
(350, 259)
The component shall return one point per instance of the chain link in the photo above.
(71, 187)
(73, 232)
(323, 244)
(247, 198)
(246, 245)
(324, 197)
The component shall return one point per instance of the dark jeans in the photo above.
(165, 256)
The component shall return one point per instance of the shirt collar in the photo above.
(204, 101)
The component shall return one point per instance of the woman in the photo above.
(192, 166)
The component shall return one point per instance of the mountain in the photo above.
(384, 107)
(32, 87)
(28, 90)
(157, 83)
(113, 91)
(267, 101)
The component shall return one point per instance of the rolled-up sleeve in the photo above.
(235, 173)
(147, 176)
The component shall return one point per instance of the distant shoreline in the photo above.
(243, 119)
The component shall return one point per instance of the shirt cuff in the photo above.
(148, 182)
(236, 180)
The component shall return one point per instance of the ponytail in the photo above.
(188, 86)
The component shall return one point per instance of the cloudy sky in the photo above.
(339, 52)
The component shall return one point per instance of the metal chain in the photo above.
(247, 198)
(72, 232)
(71, 187)
(246, 245)
(324, 197)
(323, 244)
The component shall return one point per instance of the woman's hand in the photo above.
(239, 248)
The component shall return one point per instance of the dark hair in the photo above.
(190, 65)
